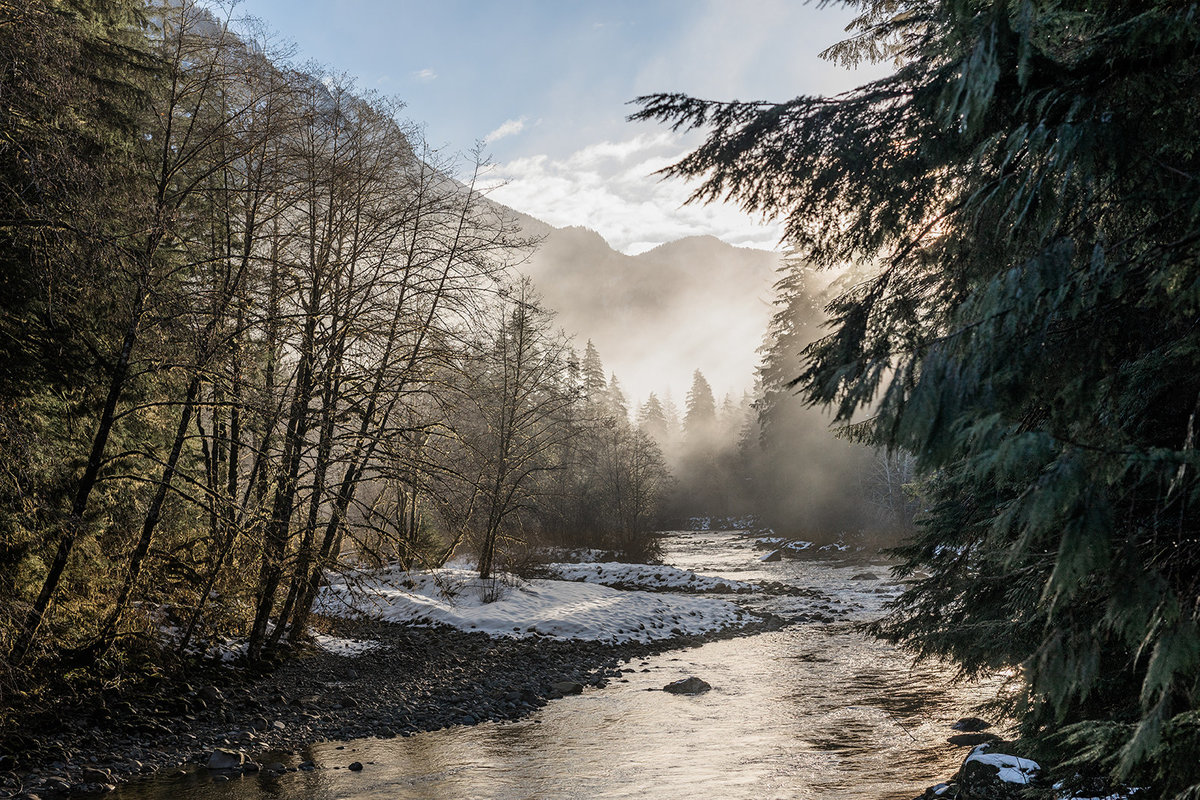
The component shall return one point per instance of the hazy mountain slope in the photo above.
(696, 303)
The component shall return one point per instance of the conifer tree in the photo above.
(595, 385)
(615, 401)
(1026, 182)
(700, 418)
(652, 419)
(674, 424)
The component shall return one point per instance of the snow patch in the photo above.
(1124, 794)
(780, 543)
(344, 647)
(552, 608)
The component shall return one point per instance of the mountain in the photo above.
(695, 303)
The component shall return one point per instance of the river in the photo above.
(813, 710)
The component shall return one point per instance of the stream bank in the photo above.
(806, 707)
(415, 679)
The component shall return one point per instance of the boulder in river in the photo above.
(972, 739)
(692, 685)
(567, 687)
(971, 724)
(774, 555)
(93, 775)
(864, 576)
(226, 759)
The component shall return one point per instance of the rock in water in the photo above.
(971, 724)
(93, 775)
(972, 739)
(355, 767)
(774, 555)
(568, 687)
(225, 759)
(692, 685)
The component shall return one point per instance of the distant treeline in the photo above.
(770, 456)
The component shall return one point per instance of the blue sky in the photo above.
(545, 84)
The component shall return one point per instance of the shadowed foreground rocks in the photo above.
(418, 679)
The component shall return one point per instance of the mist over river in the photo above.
(812, 710)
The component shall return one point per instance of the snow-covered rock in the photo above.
(1010, 769)
(991, 775)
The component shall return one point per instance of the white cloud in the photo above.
(611, 188)
(425, 75)
(510, 127)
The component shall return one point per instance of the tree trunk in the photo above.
(74, 522)
(153, 514)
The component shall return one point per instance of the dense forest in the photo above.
(252, 328)
(1024, 188)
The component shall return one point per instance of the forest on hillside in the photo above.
(253, 327)
(254, 330)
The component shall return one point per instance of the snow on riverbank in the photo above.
(646, 576)
(344, 647)
(554, 608)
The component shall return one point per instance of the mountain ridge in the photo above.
(696, 302)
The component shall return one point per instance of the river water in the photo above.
(813, 710)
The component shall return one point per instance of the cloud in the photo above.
(425, 75)
(510, 128)
(611, 188)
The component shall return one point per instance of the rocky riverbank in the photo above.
(416, 679)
